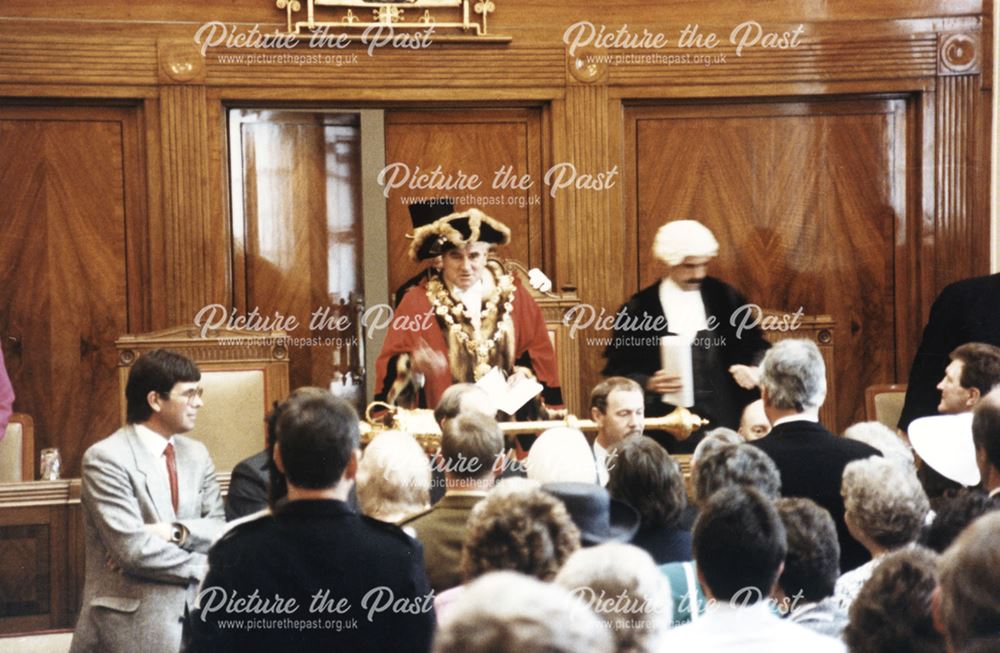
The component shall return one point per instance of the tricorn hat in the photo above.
(425, 212)
(457, 230)
(599, 517)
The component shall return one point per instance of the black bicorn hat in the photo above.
(457, 230)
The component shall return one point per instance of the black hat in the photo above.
(599, 517)
(427, 211)
(457, 230)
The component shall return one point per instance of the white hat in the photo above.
(945, 443)
(561, 455)
(677, 240)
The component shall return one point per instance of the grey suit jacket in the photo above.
(137, 585)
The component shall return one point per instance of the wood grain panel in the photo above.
(77, 60)
(800, 196)
(471, 142)
(32, 568)
(299, 231)
(65, 257)
(195, 252)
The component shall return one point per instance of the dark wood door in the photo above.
(807, 200)
(71, 191)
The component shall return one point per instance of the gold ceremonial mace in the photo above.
(421, 425)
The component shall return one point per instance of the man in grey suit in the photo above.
(151, 509)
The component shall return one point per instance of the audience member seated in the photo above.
(621, 585)
(315, 557)
(735, 464)
(967, 608)
(805, 587)
(561, 455)
(986, 438)
(811, 460)
(887, 441)
(255, 483)
(885, 509)
(647, 478)
(892, 612)
(507, 612)
(954, 513)
(518, 527)
(458, 399)
(739, 545)
(617, 405)
(599, 517)
(151, 508)
(724, 466)
(753, 421)
(394, 477)
(472, 456)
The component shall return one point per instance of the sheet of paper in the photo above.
(509, 395)
(675, 358)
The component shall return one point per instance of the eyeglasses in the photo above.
(188, 395)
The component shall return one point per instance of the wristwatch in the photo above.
(177, 534)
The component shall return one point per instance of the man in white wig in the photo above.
(699, 308)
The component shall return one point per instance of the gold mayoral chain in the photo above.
(482, 348)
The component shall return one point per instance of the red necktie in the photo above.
(172, 473)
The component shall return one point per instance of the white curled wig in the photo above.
(679, 239)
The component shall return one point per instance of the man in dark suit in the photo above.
(248, 486)
(726, 343)
(965, 311)
(471, 450)
(810, 459)
(313, 575)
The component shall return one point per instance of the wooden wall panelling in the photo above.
(33, 557)
(473, 141)
(74, 222)
(595, 216)
(800, 194)
(195, 262)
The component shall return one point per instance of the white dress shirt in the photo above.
(684, 309)
(156, 445)
(753, 629)
(601, 461)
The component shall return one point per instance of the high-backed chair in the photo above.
(242, 372)
(17, 450)
(820, 329)
(884, 403)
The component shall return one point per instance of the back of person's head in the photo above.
(623, 586)
(892, 612)
(986, 429)
(883, 438)
(155, 371)
(277, 487)
(970, 584)
(980, 366)
(599, 395)
(793, 376)
(813, 557)
(884, 502)
(518, 527)
(506, 612)
(471, 445)
(394, 477)
(462, 398)
(561, 455)
(953, 514)
(317, 436)
(739, 545)
(642, 474)
(714, 440)
(736, 464)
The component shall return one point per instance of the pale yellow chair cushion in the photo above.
(11, 455)
(231, 423)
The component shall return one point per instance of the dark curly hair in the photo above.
(642, 474)
(518, 528)
(954, 513)
(893, 609)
